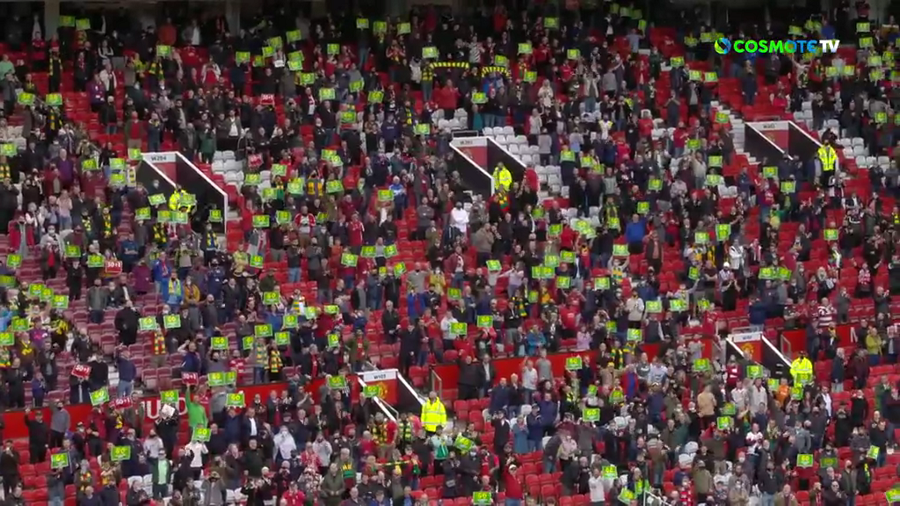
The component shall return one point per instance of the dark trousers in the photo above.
(38, 455)
(467, 392)
(56, 439)
(9, 483)
(96, 316)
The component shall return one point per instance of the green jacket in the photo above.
(208, 142)
(880, 389)
(196, 413)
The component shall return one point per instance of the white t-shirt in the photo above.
(753, 439)
(460, 219)
(199, 449)
(446, 322)
(284, 444)
(736, 257)
(529, 379)
(598, 493)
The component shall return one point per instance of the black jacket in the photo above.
(37, 433)
(9, 464)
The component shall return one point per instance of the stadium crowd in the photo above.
(359, 246)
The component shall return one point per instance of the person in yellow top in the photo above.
(802, 369)
(179, 200)
(191, 292)
(829, 159)
(502, 178)
(433, 413)
(873, 343)
(175, 199)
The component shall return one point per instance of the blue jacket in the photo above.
(609, 154)
(758, 311)
(275, 320)
(6, 317)
(125, 246)
(360, 323)
(549, 410)
(647, 292)
(655, 404)
(837, 370)
(215, 278)
(161, 270)
(635, 231)
(520, 438)
(127, 370)
(534, 340)
(411, 309)
(631, 385)
(191, 363)
(232, 429)
(499, 399)
(535, 427)
(172, 298)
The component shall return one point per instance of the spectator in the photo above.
(341, 145)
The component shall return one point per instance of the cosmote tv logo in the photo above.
(725, 46)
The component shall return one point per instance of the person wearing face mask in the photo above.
(21, 236)
(467, 472)
(285, 445)
(173, 292)
(769, 484)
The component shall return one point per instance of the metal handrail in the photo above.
(386, 407)
(784, 346)
(720, 350)
(437, 384)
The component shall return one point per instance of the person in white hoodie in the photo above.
(459, 218)
(597, 487)
(197, 450)
(758, 397)
(285, 444)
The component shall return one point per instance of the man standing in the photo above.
(433, 413)
(59, 424)
(37, 436)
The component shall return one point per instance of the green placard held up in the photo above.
(482, 499)
(169, 396)
(120, 453)
(235, 400)
(59, 460)
(574, 363)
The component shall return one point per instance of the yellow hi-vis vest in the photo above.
(433, 414)
(801, 370)
(502, 179)
(175, 200)
(174, 287)
(828, 158)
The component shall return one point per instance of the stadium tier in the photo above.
(569, 254)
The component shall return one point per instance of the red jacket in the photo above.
(296, 498)
(92, 185)
(513, 486)
(454, 261)
(246, 220)
(49, 177)
(447, 97)
(15, 235)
